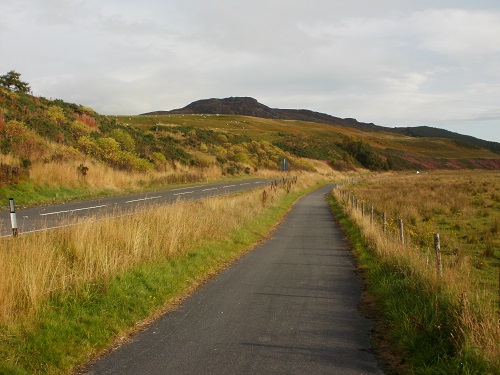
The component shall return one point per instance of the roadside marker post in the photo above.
(284, 166)
(13, 219)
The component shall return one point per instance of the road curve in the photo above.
(41, 218)
(287, 307)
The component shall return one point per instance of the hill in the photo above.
(41, 138)
(466, 140)
(246, 106)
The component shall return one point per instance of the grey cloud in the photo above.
(393, 62)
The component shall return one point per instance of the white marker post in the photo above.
(13, 218)
(284, 166)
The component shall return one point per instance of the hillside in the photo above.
(46, 144)
(246, 106)
(42, 138)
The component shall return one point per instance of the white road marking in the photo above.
(187, 192)
(246, 183)
(180, 189)
(76, 209)
(142, 199)
(104, 205)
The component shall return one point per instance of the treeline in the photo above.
(350, 153)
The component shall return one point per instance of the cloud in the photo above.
(459, 33)
(392, 62)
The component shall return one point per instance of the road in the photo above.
(40, 218)
(287, 307)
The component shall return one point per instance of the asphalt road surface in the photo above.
(288, 307)
(40, 218)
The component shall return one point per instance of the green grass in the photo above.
(28, 193)
(73, 326)
(419, 322)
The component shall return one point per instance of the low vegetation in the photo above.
(40, 135)
(66, 294)
(441, 323)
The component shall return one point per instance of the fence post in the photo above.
(363, 209)
(401, 232)
(371, 215)
(385, 222)
(13, 219)
(437, 247)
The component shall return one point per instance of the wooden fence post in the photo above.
(363, 209)
(385, 222)
(437, 247)
(371, 215)
(401, 232)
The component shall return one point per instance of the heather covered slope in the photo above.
(344, 143)
(52, 142)
(246, 106)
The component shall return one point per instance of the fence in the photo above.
(390, 235)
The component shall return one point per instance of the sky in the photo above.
(390, 62)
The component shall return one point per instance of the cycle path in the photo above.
(288, 307)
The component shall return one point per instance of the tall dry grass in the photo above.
(101, 176)
(417, 197)
(36, 266)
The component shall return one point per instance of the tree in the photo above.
(12, 81)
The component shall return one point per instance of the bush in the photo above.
(124, 139)
(78, 129)
(159, 161)
(365, 154)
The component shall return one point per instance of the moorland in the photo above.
(54, 151)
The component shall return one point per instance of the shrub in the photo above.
(56, 114)
(124, 139)
(78, 129)
(88, 146)
(159, 161)
(23, 142)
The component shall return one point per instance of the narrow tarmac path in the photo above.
(287, 307)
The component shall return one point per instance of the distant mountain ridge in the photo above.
(247, 106)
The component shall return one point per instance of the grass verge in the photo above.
(79, 321)
(421, 323)
(29, 193)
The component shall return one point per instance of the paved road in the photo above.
(40, 218)
(288, 307)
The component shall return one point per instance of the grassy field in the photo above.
(272, 130)
(462, 206)
(67, 294)
(441, 324)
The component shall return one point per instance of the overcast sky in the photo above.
(390, 62)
